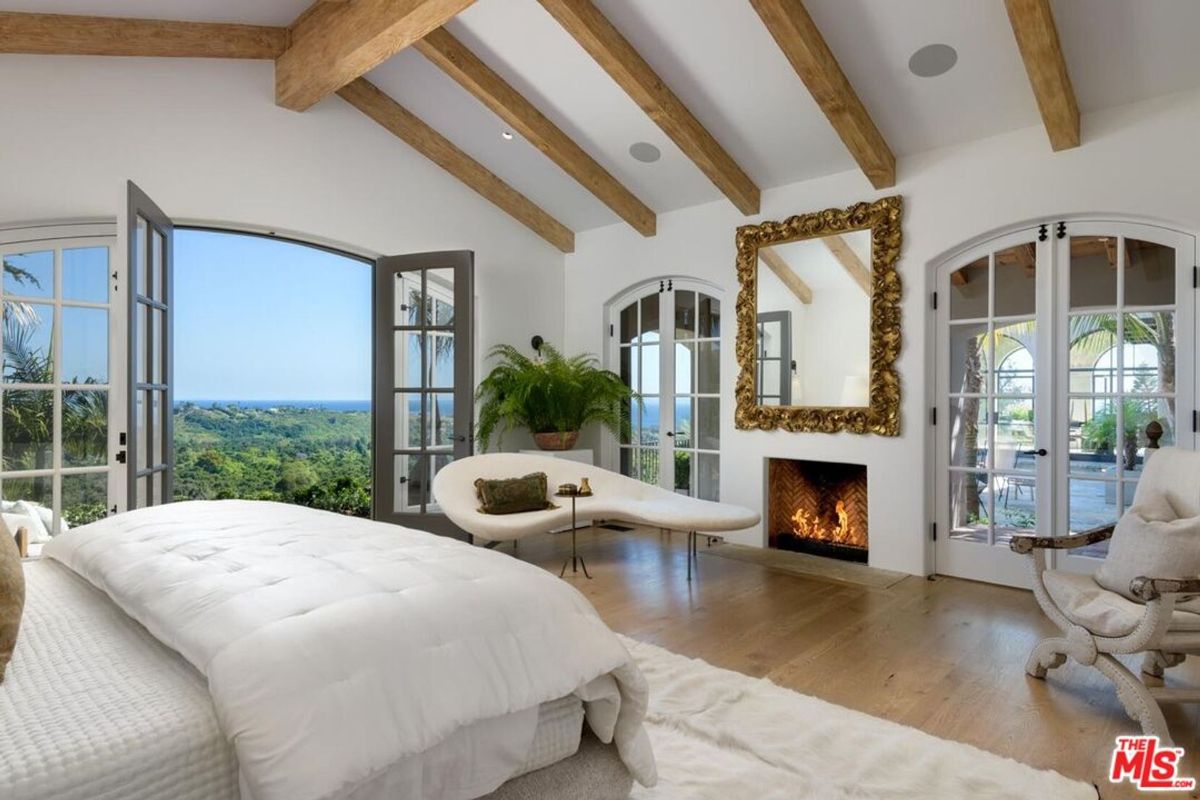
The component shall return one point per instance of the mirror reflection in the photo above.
(813, 325)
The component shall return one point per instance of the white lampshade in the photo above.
(855, 391)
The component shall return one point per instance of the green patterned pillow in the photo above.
(513, 495)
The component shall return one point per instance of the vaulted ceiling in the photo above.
(742, 71)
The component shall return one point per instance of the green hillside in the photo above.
(315, 457)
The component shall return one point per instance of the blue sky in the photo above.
(264, 319)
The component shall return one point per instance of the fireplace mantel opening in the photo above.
(817, 507)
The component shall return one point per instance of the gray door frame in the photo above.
(385, 383)
(141, 206)
(784, 318)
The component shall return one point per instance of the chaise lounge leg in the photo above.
(1135, 696)
(1156, 662)
(1047, 654)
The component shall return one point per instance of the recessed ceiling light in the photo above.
(506, 135)
(645, 152)
(932, 60)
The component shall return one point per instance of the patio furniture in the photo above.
(1163, 623)
(615, 497)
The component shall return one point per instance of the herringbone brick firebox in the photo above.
(817, 507)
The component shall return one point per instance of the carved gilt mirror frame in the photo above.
(881, 415)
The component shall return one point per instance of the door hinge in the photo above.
(1043, 233)
(1195, 421)
(933, 531)
(934, 301)
(1196, 277)
(1061, 230)
(933, 416)
(611, 329)
(670, 286)
(662, 286)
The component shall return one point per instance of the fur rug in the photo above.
(721, 735)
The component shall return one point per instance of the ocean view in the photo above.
(328, 405)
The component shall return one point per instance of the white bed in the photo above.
(95, 706)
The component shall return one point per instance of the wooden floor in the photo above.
(943, 655)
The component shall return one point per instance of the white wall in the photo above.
(205, 139)
(1138, 159)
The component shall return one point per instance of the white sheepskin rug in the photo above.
(721, 735)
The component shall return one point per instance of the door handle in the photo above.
(460, 438)
(1039, 452)
(671, 433)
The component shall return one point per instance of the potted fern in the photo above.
(553, 397)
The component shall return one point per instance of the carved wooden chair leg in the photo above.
(1156, 662)
(1047, 655)
(1135, 696)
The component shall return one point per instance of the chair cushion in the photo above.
(513, 495)
(12, 597)
(1151, 540)
(1107, 613)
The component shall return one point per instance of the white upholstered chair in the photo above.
(1162, 623)
(615, 497)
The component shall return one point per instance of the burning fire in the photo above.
(809, 527)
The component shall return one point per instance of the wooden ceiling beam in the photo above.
(1037, 38)
(786, 274)
(604, 43)
(453, 57)
(368, 99)
(69, 35)
(798, 37)
(334, 43)
(850, 261)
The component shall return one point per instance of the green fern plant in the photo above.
(553, 394)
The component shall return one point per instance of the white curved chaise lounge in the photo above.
(615, 497)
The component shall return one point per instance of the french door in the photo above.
(666, 343)
(1055, 353)
(146, 440)
(424, 381)
(57, 401)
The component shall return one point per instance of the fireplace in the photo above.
(817, 507)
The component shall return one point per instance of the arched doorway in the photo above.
(665, 342)
(1054, 351)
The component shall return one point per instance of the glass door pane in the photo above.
(1121, 364)
(424, 382)
(55, 385)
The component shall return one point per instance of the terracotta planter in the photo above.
(556, 441)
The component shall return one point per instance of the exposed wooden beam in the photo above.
(1037, 38)
(367, 98)
(334, 43)
(479, 79)
(61, 34)
(790, 279)
(625, 65)
(850, 261)
(959, 277)
(798, 37)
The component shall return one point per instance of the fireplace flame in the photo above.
(810, 527)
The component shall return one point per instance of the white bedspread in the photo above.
(335, 646)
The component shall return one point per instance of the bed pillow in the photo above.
(12, 597)
(513, 495)
(1151, 540)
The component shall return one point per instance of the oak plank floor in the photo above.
(944, 655)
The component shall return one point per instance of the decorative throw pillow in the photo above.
(12, 597)
(1151, 540)
(513, 495)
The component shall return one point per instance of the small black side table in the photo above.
(576, 561)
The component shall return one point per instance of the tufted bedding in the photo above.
(336, 649)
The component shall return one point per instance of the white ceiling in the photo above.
(717, 56)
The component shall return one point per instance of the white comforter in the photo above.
(335, 647)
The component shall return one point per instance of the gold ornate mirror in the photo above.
(818, 316)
